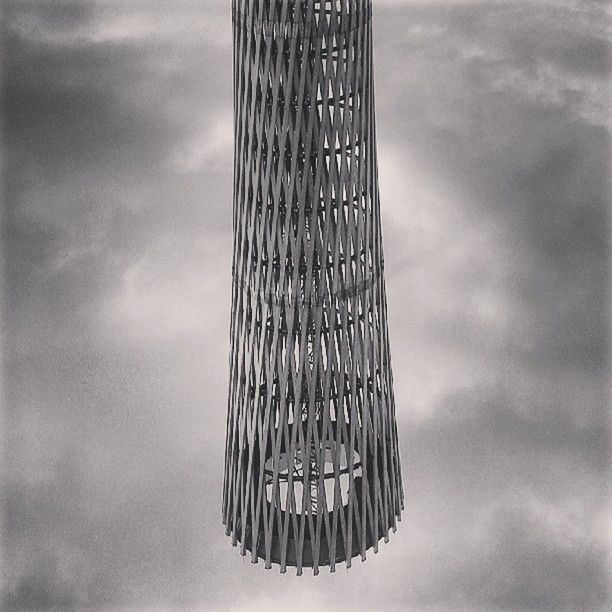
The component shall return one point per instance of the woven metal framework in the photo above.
(312, 472)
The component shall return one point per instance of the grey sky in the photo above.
(493, 131)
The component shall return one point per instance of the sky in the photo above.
(493, 149)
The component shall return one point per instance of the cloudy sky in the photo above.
(493, 142)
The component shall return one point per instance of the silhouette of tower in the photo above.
(312, 471)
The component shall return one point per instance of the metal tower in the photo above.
(312, 472)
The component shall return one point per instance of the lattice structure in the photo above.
(312, 473)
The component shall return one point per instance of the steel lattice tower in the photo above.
(312, 473)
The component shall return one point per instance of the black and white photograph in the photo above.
(305, 305)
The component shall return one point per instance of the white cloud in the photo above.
(585, 96)
(156, 301)
(445, 266)
(133, 22)
(212, 146)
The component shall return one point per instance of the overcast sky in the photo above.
(493, 132)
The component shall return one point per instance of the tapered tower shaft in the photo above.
(312, 474)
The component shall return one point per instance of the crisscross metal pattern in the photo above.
(312, 470)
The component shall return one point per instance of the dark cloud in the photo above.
(518, 158)
(523, 565)
(95, 124)
(116, 499)
(493, 142)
